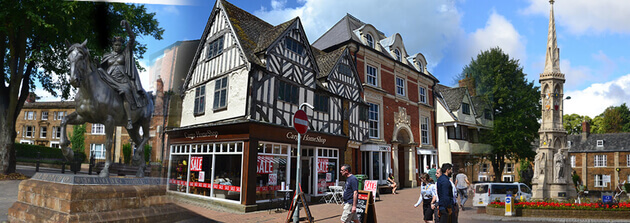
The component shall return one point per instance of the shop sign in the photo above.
(328, 177)
(424, 151)
(376, 148)
(273, 179)
(202, 176)
(322, 165)
(265, 165)
(196, 134)
(195, 163)
(306, 137)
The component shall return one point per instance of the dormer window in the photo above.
(369, 40)
(600, 143)
(420, 67)
(466, 108)
(397, 53)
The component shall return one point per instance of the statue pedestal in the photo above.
(71, 198)
(558, 191)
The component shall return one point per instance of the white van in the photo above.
(488, 192)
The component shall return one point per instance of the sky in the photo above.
(592, 35)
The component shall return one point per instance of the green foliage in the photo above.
(573, 123)
(616, 119)
(516, 104)
(127, 153)
(77, 139)
(30, 151)
(147, 152)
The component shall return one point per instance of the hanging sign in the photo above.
(195, 163)
(322, 165)
(265, 165)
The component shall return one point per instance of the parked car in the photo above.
(488, 192)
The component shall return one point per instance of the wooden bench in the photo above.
(384, 188)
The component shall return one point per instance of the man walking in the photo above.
(350, 194)
(432, 173)
(462, 183)
(445, 194)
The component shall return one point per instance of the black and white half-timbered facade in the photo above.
(236, 144)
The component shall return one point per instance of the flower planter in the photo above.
(553, 213)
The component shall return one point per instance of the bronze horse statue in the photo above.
(97, 102)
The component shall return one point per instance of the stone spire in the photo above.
(552, 59)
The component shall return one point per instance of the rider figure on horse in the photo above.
(118, 69)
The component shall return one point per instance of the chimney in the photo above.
(586, 130)
(468, 82)
(31, 97)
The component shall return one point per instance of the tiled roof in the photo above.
(327, 61)
(339, 33)
(452, 96)
(272, 34)
(248, 29)
(613, 142)
(50, 105)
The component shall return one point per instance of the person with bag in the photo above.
(445, 194)
(426, 197)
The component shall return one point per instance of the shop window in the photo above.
(178, 173)
(375, 165)
(326, 173)
(227, 177)
(271, 170)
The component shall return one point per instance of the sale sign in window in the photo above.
(195, 163)
(265, 165)
(322, 165)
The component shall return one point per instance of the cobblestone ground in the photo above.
(390, 208)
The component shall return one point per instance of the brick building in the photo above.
(596, 158)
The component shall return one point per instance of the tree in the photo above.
(515, 104)
(616, 119)
(573, 123)
(78, 138)
(32, 48)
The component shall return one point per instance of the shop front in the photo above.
(426, 158)
(376, 162)
(248, 164)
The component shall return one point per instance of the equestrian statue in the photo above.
(109, 93)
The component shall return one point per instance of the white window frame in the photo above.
(44, 115)
(29, 133)
(600, 143)
(55, 144)
(509, 168)
(199, 107)
(400, 86)
(220, 87)
(215, 48)
(508, 178)
(29, 142)
(482, 178)
(628, 162)
(373, 121)
(369, 40)
(56, 132)
(484, 166)
(29, 115)
(369, 76)
(599, 181)
(424, 130)
(43, 132)
(398, 55)
(572, 160)
(422, 95)
(59, 115)
(600, 160)
(98, 154)
(98, 129)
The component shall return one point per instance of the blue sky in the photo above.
(592, 35)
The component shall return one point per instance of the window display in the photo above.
(271, 170)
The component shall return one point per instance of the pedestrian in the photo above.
(445, 194)
(350, 194)
(455, 214)
(426, 197)
(391, 182)
(462, 184)
(432, 173)
(436, 199)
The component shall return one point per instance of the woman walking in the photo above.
(426, 197)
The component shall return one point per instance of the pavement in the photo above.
(390, 208)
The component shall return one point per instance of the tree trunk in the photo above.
(7, 139)
(497, 167)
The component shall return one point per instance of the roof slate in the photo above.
(453, 97)
(264, 41)
(327, 61)
(248, 29)
(613, 142)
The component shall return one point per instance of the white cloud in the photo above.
(587, 16)
(428, 27)
(593, 100)
(497, 32)
(145, 77)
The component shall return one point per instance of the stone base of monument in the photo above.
(71, 198)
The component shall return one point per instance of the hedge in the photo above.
(29, 152)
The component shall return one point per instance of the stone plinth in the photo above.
(70, 198)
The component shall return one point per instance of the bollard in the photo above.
(63, 167)
(91, 163)
(39, 158)
(509, 205)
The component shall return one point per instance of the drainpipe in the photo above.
(435, 142)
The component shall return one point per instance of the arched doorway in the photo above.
(404, 164)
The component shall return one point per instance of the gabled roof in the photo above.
(248, 29)
(327, 61)
(452, 97)
(612, 142)
(265, 40)
(339, 33)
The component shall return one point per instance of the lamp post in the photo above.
(298, 175)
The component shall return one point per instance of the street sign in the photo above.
(300, 121)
